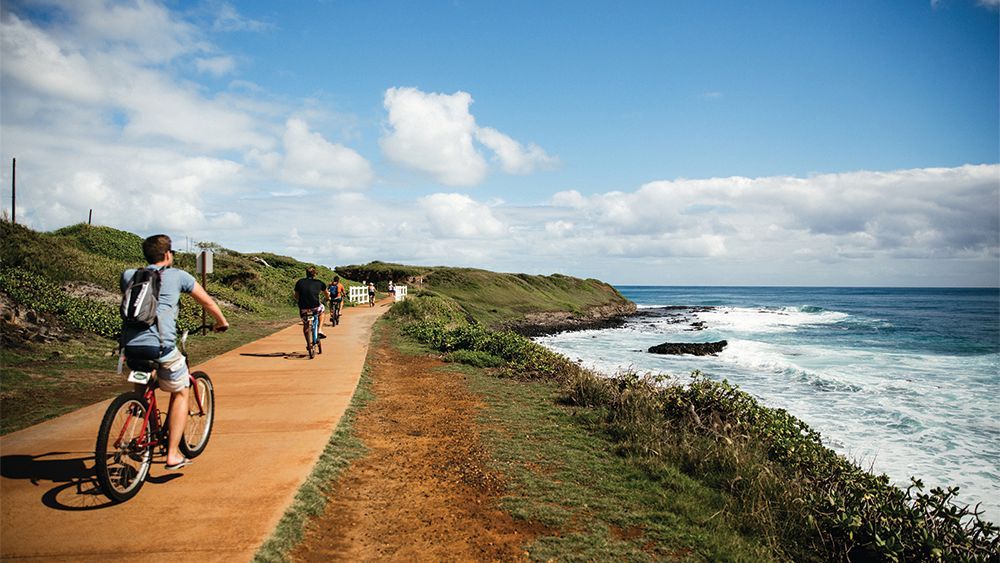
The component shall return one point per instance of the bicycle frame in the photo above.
(150, 395)
(123, 454)
(151, 431)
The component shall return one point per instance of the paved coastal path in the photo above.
(276, 410)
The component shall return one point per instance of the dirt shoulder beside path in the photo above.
(276, 410)
(423, 491)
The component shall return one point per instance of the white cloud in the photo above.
(513, 156)
(229, 19)
(110, 63)
(34, 59)
(569, 198)
(921, 212)
(216, 66)
(459, 216)
(311, 160)
(433, 133)
(141, 32)
(436, 134)
(159, 106)
(559, 228)
(147, 193)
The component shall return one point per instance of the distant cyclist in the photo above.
(336, 291)
(307, 294)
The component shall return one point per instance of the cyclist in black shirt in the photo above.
(308, 292)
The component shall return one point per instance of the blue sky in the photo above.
(776, 143)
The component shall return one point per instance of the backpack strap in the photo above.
(159, 333)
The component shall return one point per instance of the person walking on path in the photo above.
(307, 294)
(158, 342)
(371, 294)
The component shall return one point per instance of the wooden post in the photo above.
(90, 217)
(13, 192)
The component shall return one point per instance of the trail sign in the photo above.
(204, 265)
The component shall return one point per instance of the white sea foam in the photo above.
(744, 320)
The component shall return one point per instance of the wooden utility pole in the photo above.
(90, 217)
(13, 192)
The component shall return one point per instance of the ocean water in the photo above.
(904, 381)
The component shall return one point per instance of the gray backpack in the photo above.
(141, 297)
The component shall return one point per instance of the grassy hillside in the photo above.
(59, 294)
(492, 298)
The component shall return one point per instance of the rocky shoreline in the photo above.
(547, 323)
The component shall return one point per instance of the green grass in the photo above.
(567, 475)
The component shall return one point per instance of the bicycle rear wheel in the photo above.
(201, 417)
(310, 344)
(121, 461)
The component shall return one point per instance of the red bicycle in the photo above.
(133, 427)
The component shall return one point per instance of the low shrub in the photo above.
(783, 482)
(522, 358)
(475, 358)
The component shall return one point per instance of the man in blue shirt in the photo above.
(158, 342)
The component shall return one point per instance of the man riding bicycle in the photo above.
(336, 292)
(158, 342)
(307, 294)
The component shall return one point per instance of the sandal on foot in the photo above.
(183, 463)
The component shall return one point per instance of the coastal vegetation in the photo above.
(776, 482)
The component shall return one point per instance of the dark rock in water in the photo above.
(694, 349)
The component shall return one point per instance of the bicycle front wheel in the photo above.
(124, 451)
(201, 415)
